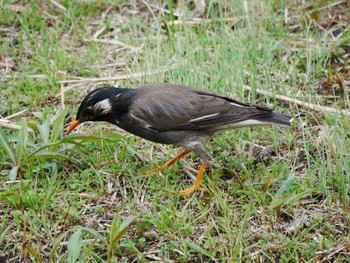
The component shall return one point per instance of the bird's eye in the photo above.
(87, 111)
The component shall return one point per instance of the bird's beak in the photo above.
(73, 125)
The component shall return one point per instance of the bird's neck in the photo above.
(122, 101)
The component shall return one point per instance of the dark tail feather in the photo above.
(277, 118)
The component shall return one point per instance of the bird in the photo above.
(173, 114)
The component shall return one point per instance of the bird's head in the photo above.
(99, 105)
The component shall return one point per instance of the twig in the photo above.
(62, 76)
(115, 64)
(162, 9)
(7, 64)
(15, 114)
(59, 6)
(64, 89)
(187, 169)
(105, 13)
(37, 76)
(99, 32)
(327, 6)
(125, 76)
(136, 154)
(303, 104)
(65, 243)
(57, 114)
(286, 19)
(246, 10)
(113, 42)
(15, 8)
(150, 9)
(13, 126)
(16, 181)
(197, 21)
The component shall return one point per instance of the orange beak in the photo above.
(73, 125)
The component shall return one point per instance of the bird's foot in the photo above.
(168, 164)
(195, 186)
(190, 190)
(160, 169)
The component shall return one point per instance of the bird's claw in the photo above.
(153, 171)
(190, 190)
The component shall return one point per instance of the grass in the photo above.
(275, 195)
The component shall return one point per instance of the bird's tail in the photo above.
(277, 118)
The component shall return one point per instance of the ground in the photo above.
(275, 194)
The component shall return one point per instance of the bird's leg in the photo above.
(195, 186)
(169, 163)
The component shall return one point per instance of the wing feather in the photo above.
(173, 108)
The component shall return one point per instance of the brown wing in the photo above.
(166, 107)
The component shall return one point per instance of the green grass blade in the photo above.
(51, 155)
(7, 147)
(127, 222)
(286, 184)
(58, 126)
(243, 227)
(34, 253)
(112, 137)
(119, 236)
(75, 244)
(87, 251)
(44, 147)
(124, 226)
(95, 233)
(22, 142)
(114, 230)
(77, 140)
(56, 243)
(44, 132)
(13, 173)
(117, 231)
(200, 250)
(13, 198)
(4, 232)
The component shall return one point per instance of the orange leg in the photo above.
(195, 186)
(168, 164)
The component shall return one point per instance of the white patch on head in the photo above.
(102, 107)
